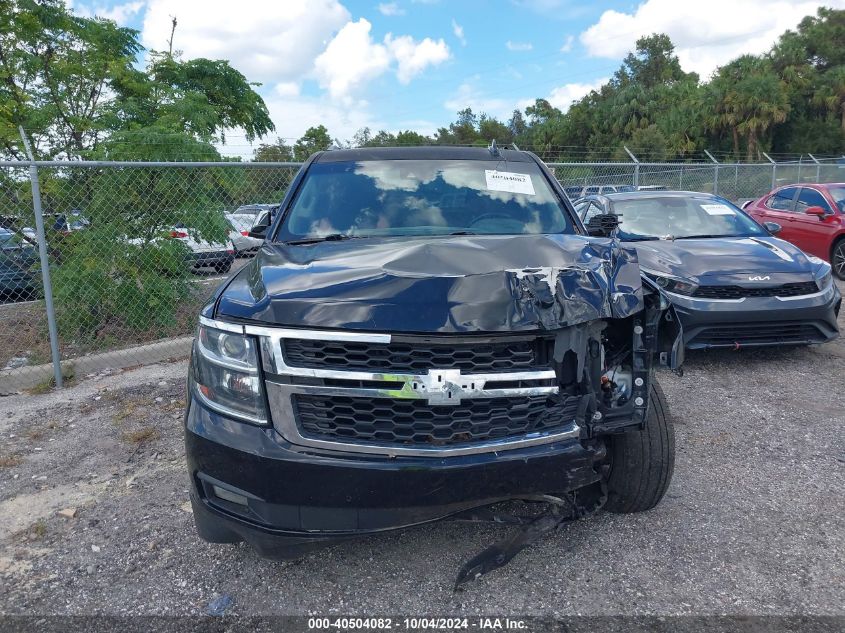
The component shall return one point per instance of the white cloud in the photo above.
(287, 89)
(267, 41)
(458, 30)
(468, 97)
(390, 9)
(563, 96)
(353, 58)
(567, 45)
(413, 57)
(293, 115)
(120, 13)
(519, 46)
(350, 60)
(705, 34)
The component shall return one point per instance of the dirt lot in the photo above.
(752, 523)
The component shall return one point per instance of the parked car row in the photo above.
(18, 254)
(578, 191)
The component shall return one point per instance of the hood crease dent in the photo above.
(438, 285)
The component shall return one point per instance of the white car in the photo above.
(206, 254)
(242, 220)
(203, 254)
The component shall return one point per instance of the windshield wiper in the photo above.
(696, 237)
(331, 237)
(640, 238)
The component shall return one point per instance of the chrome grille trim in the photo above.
(282, 412)
(439, 386)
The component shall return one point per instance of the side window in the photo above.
(811, 198)
(591, 191)
(782, 200)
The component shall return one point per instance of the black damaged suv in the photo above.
(425, 331)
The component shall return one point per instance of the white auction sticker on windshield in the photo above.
(509, 181)
(718, 209)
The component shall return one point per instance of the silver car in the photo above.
(242, 220)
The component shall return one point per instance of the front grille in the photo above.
(750, 334)
(415, 422)
(412, 356)
(739, 292)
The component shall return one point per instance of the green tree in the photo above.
(748, 99)
(278, 152)
(58, 71)
(201, 96)
(71, 82)
(409, 137)
(315, 139)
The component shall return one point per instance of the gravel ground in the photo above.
(752, 523)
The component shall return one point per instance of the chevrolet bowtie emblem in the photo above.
(442, 386)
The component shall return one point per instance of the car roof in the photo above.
(633, 195)
(251, 207)
(425, 152)
(813, 184)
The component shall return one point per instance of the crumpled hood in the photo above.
(717, 257)
(438, 285)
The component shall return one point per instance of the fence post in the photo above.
(774, 170)
(636, 167)
(818, 167)
(45, 263)
(715, 173)
(799, 168)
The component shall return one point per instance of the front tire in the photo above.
(642, 461)
(837, 259)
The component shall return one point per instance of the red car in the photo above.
(811, 216)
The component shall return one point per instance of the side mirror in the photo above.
(772, 227)
(259, 231)
(817, 211)
(603, 225)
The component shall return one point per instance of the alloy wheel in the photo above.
(839, 260)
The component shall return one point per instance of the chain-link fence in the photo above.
(133, 250)
(735, 181)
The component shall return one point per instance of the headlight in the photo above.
(226, 374)
(672, 284)
(821, 271)
(823, 278)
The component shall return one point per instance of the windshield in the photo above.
(838, 194)
(424, 197)
(682, 217)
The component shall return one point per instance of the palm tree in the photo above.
(750, 100)
(830, 93)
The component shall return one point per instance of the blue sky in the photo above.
(412, 64)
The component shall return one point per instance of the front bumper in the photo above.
(296, 498)
(758, 322)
